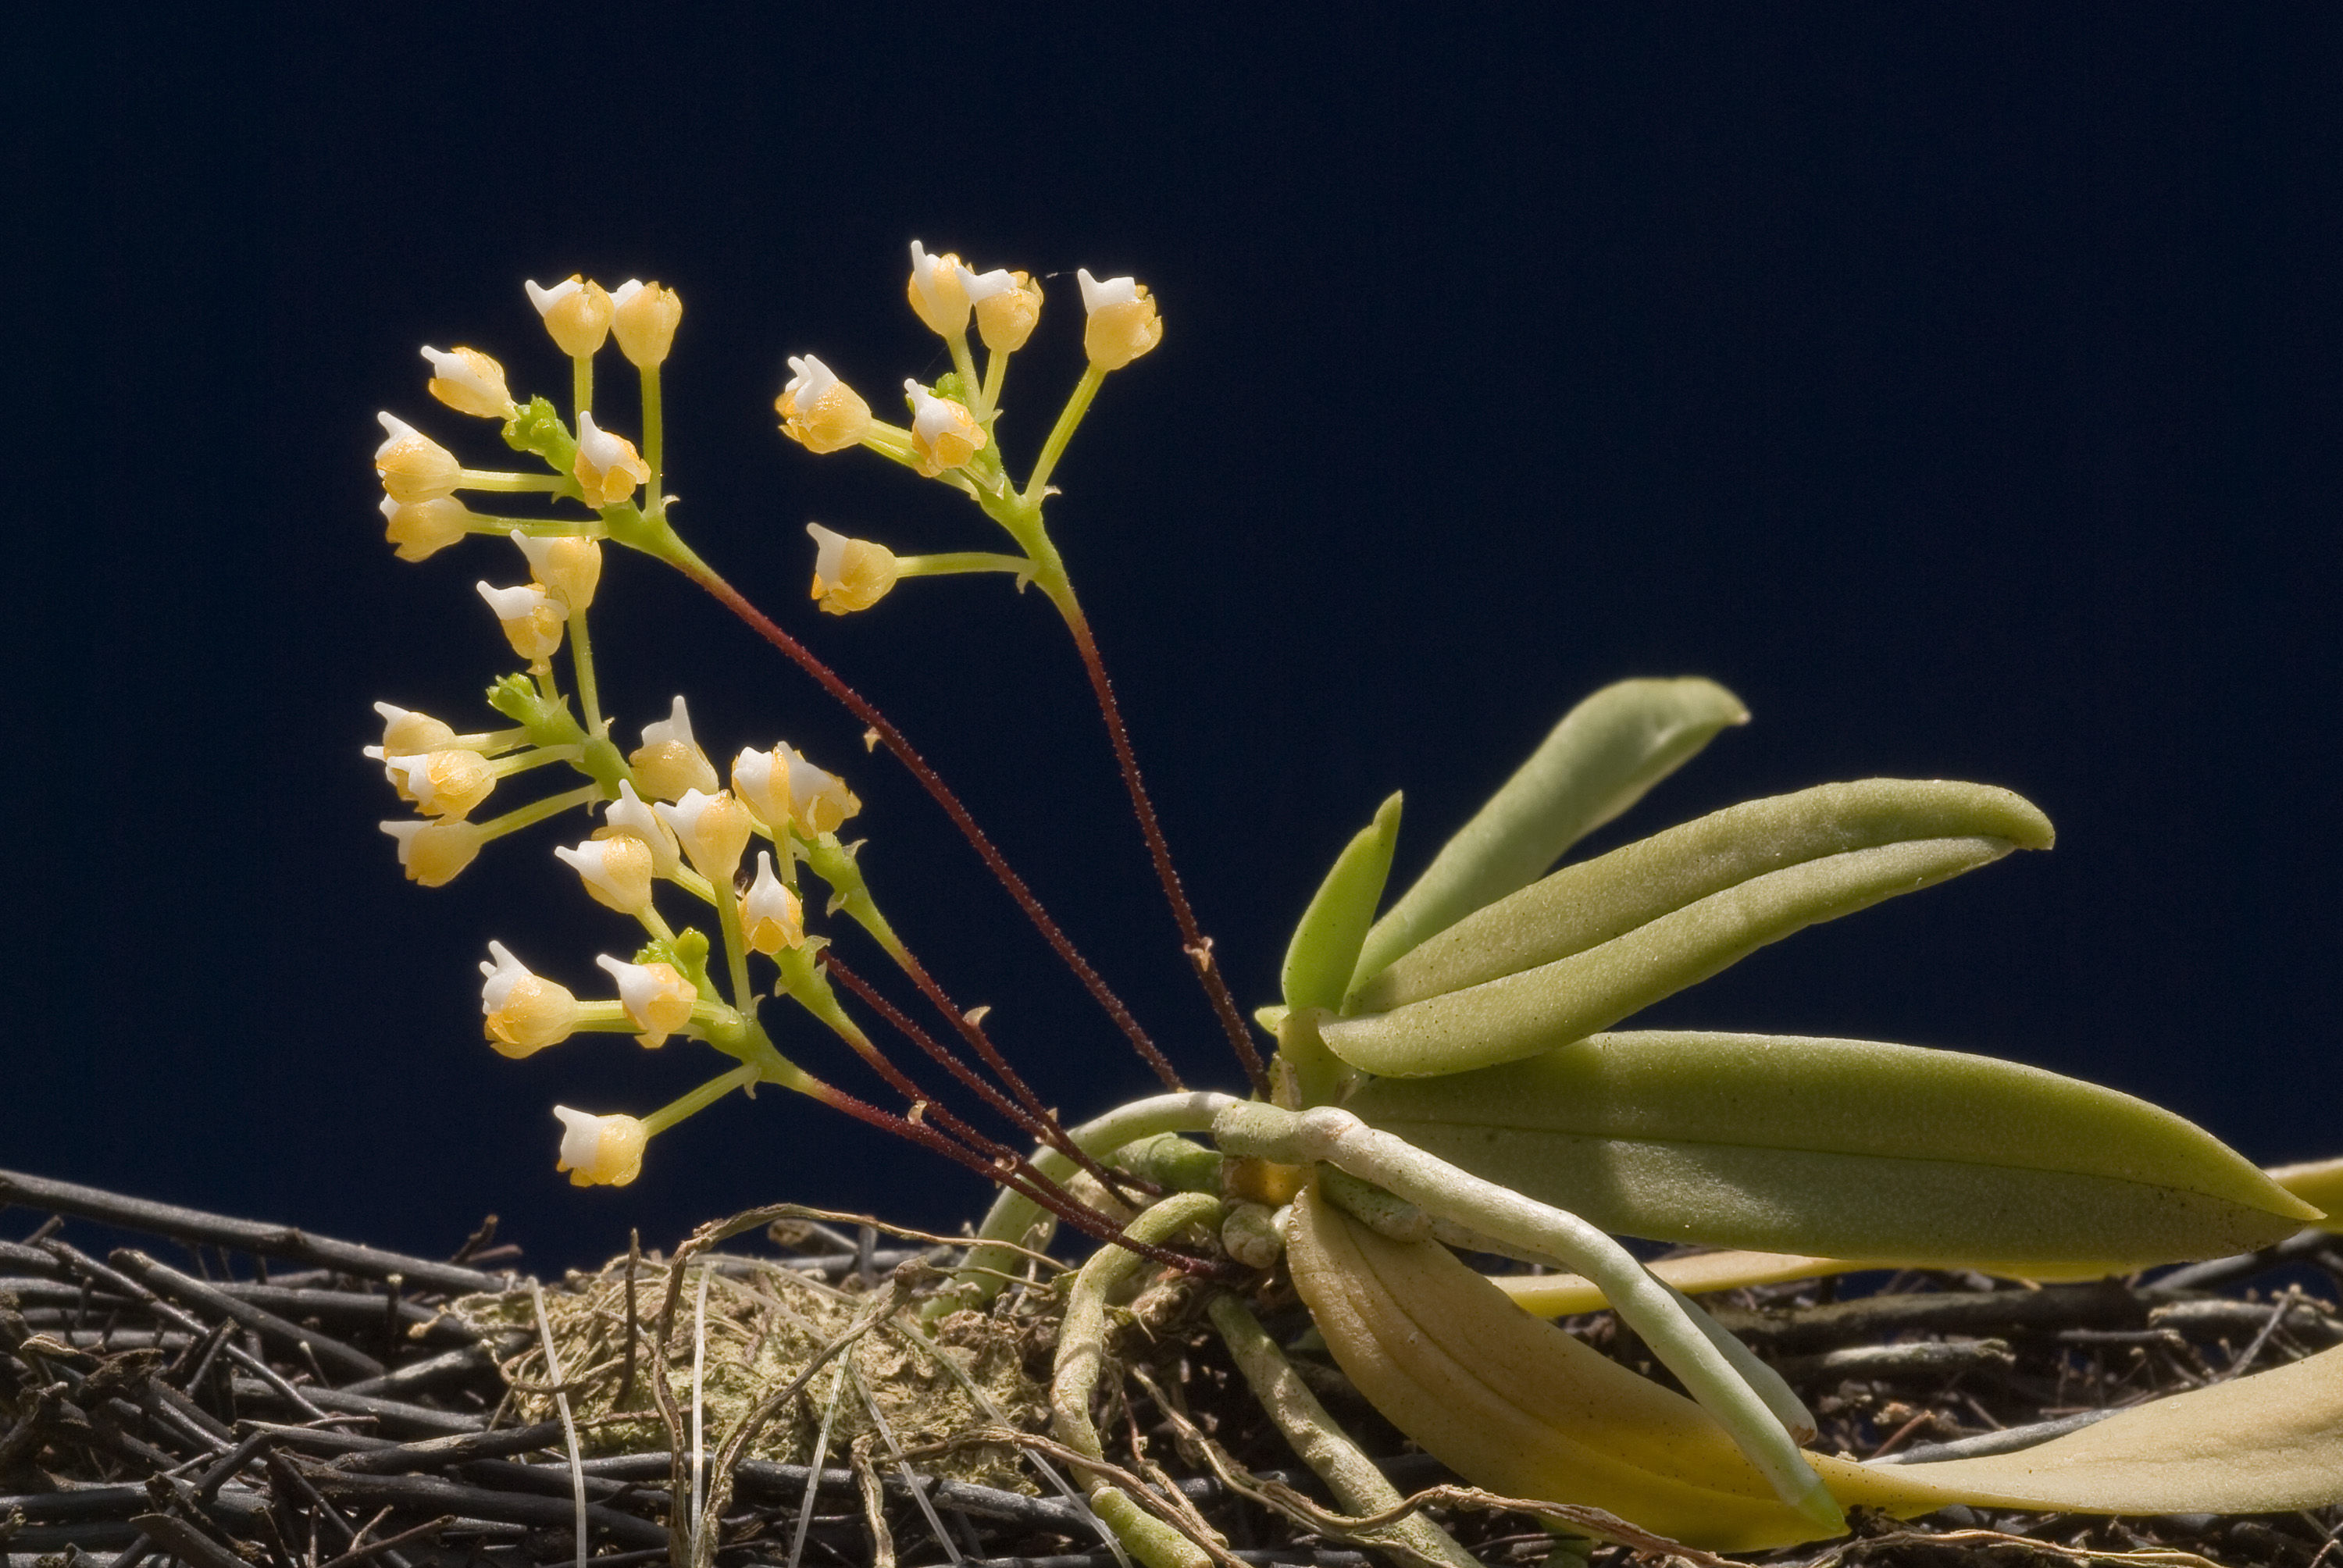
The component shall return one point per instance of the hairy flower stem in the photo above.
(700, 572)
(1048, 1132)
(1192, 939)
(1003, 1174)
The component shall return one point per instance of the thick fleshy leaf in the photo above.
(1584, 906)
(1846, 1149)
(1514, 1404)
(1569, 998)
(1324, 950)
(1599, 761)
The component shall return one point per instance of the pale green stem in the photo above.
(654, 441)
(893, 441)
(736, 942)
(971, 389)
(514, 762)
(1544, 1234)
(582, 660)
(655, 923)
(490, 742)
(536, 527)
(1014, 1216)
(1318, 1438)
(492, 479)
(581, 385)
(953, 562)
(1081, 1354)
(701, 1098)
(536, 811)
(996, 375)
(1069, 418)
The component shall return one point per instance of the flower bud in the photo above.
(669, 761)
(629, 816)
(432, 853)
(608, 467)
(819, 411)
(643, 318)
(470, 382)
(938, 296)
(440, 783)
(525, 1013)
(848, 574)
(771, 916)
(405, 732)
(566, 567)
(760, 781)
(532, 617)
(656, 996)
(1005, 319)
(1122, 323)
(713, 830)
(421, 529)
(820, 800)
(600, 1151)
(946, 434)
(414, 467)
(616, 871)
(577, 313)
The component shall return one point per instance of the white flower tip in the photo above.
(675, 726)
(822, 535)
(626, 291)
(398, 429)
(981, 287)
(387, 507)
(511, 603)
(546, 299)
(617, 969)
(372, 753)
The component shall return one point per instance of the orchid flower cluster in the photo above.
(669, 826)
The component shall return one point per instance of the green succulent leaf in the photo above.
(1324, 950)
(1843, 1148)
(1580, 907)
(1599, 761)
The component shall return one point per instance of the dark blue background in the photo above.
(1958, 385)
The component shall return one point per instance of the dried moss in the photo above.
(765, 1323)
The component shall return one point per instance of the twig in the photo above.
(198, 1294)
(390, 1544)
(251, 1236)
(438, 1495)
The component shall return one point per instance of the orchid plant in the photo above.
(1443, 1069)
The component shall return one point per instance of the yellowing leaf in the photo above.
(2319, 1184)
(1514, 1404)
